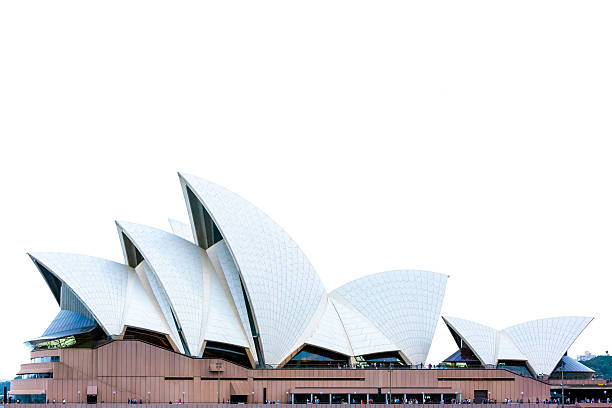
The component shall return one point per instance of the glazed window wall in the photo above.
(315, 357)
(385, 359)
(32, 376)
(46, 359)
(29, 399)
(518, 367)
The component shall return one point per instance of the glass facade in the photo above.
(81, 340)
(29, 399)
(518, 367)
(46, 359)
(385, 359)
(313, 357)
(34, 375)
(228, 352)
(156, 339)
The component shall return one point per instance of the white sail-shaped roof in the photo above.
(330, 333)
(541, 343)
(545, 341)
(105, 299)
(282, 287)
(507, 350)
(178, 265)
(224, 264)
(364, 337)
(222, 322)
(141, 311)
(181, 229)
(155, 291)
(481, 339)
(405, 306)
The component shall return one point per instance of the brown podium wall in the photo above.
(132, 369)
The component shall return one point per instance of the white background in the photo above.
(468, 138)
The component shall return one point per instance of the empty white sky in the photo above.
(468, 138)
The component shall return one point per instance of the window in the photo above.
(46, 359)
(384, 359)
(33, 375)
(228, 352)
(29, 399)
(311, 356)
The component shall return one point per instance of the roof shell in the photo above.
(181, 229)
(106, 299)
(282, 286)
(481, 339)
(177, 264)
(224, 264)
(364, 337)
(330, 332)
(141, 309)
(545, 341)
(541, 343)
(507, 350)
(404, 306)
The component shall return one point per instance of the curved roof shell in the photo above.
(177, 264)
(545, 341)
(187, 287)
(116, 301)
(405, 306)
(541, 343)
(281, 285)
(363, 335)
(481, 339)
(105, 300)
(181, 229)
(329, 332)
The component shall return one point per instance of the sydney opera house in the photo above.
(228, 308)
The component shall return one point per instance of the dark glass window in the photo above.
(147, 336)
(83, 340)
(33, 375)
(311, 356)
(518, 367)
(229, 352)
(46, 359)
(29, 399)
(380, 360)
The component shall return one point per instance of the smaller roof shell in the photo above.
(105, 300)
(405, 306)
(541, 343)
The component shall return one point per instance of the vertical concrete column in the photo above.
(423, 398)
(292, 398)
(311, 400)
(330, 400)
(404, 397)
(368, 398)
(441, 398)
(349, 397)
(386, 398)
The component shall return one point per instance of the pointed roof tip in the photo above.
(35, 256)
(184, 176)
(189, 178)
(122, 224)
